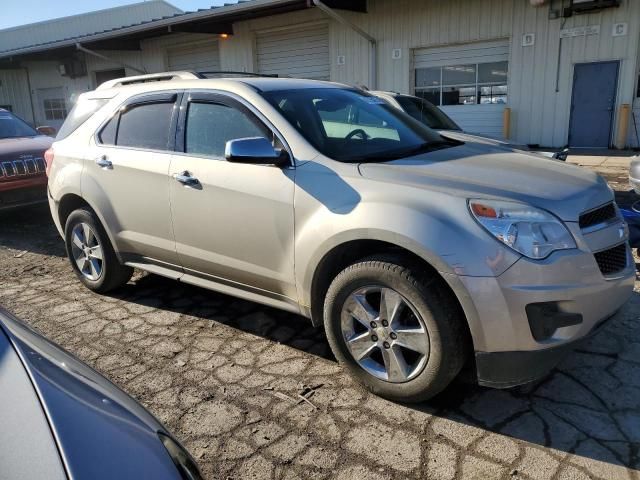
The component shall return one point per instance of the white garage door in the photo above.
(300, 53)
(469, 82)
(202, 57)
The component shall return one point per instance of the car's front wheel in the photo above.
(91, 254)
(398, 332)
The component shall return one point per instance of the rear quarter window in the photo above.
(80, 113)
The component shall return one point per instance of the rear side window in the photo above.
(80, 113)
(146, 125)
(211, 125)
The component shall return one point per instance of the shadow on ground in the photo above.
(588, 406)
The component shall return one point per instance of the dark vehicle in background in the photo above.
(23, 179)
(433, 117)
(62, 420)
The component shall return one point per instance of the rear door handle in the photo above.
(103, 162)
(186, 179)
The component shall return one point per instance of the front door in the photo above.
(235, 225)
(593, 104)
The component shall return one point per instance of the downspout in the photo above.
(33, 109)
(373, 53)
(104, 57)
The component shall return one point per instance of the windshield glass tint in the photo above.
(426, 113)
(352, 126)
(13, 127)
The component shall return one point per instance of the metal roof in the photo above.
(220, 13)
(57, 29)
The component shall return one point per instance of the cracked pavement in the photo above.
(224, 376)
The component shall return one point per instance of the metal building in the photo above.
(547, 72)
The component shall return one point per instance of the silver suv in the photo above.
(419, 253)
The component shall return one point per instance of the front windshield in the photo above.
(13, 127)
(354, 126)
(426, 113)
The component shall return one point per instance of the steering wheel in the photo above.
(357, 131)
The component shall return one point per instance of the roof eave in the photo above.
(219, 13)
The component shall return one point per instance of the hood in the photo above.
(480, 169)
(101, 432)
(10, 147)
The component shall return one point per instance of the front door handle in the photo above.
(186, 179)
(103, 162)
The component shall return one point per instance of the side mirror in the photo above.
(255, 150)
(561, 155)
(46, 130)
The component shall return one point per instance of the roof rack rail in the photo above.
(152, 77)
(209, 74)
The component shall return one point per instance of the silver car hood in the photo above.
(482, 170)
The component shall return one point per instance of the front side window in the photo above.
(145, 125)
(211, 125)
(353, 126)
(467, 84)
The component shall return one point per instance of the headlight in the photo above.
(182, 460)
(528, 230)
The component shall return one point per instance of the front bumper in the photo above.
(509, 369)
(508, 349)
(22, 197)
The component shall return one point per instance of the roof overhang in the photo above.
(216, 20)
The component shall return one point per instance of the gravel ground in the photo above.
(224, 375)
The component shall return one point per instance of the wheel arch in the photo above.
(344, 253)
(70, 202)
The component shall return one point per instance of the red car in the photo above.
(23, 179)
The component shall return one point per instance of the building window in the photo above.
(55, 109)
(468, 84)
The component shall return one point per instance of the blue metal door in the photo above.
(592, 104)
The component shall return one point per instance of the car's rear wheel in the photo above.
(398, 332)
(91, 254)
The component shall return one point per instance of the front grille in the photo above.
(9, 169)
(613, 260)
(31, 166)
(597, 216)
(40, 163)
(20, 168)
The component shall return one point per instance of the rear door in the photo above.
(235, 226)
(126, 176)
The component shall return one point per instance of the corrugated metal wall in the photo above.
(14, 91)
(540, 112)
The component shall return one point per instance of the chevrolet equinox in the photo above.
(418, 253)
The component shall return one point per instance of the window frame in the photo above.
(166, 96)
(477, 85)
(228, 100)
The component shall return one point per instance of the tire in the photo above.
(112, 274)
(426, 305)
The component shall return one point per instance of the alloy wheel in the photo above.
(384, 334)
(87, 251)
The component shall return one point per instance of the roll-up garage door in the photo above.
(299, 53)
(469, 82)
(202, 56)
